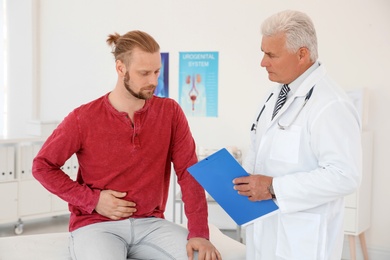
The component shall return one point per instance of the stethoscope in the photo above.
(282, 127)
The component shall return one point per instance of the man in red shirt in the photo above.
(125, 142)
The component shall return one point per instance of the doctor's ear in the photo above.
(303, 53)
(120, 68)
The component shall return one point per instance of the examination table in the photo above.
(54, 246)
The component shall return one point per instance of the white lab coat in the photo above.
(315, 162)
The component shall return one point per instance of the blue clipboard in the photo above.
(215, 174)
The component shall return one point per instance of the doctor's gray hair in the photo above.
(297, 26)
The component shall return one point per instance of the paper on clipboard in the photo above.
(215, 174)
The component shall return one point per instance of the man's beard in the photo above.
(140, 94)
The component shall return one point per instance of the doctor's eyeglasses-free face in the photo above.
(281, 126)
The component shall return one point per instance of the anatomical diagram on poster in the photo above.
(198, 83)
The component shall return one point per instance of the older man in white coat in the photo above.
(307, 155)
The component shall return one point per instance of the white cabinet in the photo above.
(358, 205)
(33, 199)
(21, 195)
(26, 153)
(8, 201)
(7, 163)
(8, 184)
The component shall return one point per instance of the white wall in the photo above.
(74, 65)
(2, 69)
(19, 65)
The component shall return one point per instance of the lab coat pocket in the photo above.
(285, 144)
(298, 236)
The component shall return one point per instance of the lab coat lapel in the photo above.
(270, 108)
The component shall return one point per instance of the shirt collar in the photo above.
(298, 81)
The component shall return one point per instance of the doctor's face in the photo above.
(282, 65)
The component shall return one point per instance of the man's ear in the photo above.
(120, 68)
(304, 54)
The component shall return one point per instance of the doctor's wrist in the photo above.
(271, 191)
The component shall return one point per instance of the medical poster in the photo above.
(162, 89)
(198, 83)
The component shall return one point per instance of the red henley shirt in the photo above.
(117, 154)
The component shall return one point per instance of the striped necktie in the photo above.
(281, 99)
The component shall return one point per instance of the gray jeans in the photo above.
(145, 238)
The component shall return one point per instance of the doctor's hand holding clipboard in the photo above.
(255, 187)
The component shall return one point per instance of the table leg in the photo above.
(363, 244)
(239, 238)
(352, 246)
